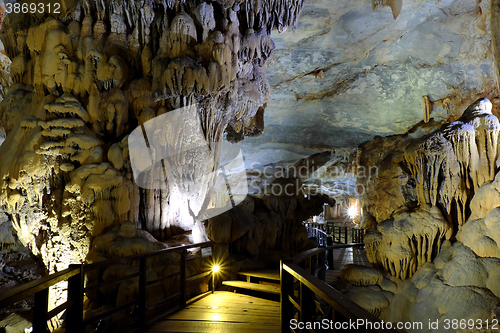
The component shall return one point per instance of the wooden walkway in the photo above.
(229, 312)
(224, 312)
(342, 257)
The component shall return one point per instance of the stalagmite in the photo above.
(407, 242)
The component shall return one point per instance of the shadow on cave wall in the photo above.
(263, 229)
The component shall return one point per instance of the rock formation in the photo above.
(427, 182)
(349, 73)
(457, 284)
(263, 229)
(85, 78)
(431, 220)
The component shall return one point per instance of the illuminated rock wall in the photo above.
(426, 182)
(432, 220)
(85, 78)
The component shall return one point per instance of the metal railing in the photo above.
(306, 298)
(340, 234)
(144, 313)
(320, 235)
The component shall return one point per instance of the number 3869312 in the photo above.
(32, 8)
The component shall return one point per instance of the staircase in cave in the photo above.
(265, 282)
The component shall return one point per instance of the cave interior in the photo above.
(134, 126)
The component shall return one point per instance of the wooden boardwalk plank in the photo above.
(224, 312)
(209, 327)
(227, 312)
(270, 274)
(254, 286)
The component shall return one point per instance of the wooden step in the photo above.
(266, 288)
(269, 274)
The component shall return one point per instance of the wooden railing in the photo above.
(77, 288)
(306, 299)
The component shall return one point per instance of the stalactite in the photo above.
(409, 241)
(459, 151)
(426, 108)
(83, 89)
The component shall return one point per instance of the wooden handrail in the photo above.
(312, 252)
(311, 286)
(334, 298)
(107, 283)
(306, 255)
(101, 264)
(76, 289)
(19, 293)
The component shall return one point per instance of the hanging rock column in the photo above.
(87, 75)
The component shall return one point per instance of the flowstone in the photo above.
(435, 235)
(427, 180)
(83, 79)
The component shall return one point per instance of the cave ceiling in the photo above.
(351, 71)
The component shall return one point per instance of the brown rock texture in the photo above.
(422, 191)
(268, 227)
(85, 78)
(433, 224)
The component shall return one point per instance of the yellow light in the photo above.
(215, 269)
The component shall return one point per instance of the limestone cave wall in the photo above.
(84, 78)
(431, 217)
(426, 179)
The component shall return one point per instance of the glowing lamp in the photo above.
(352, 211)
(215, 269)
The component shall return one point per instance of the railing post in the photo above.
(322, 263)
(306, 304)
(314, 264)
(74, 314)
(303, 264)
(183, 277)
(142, 292)
(40, 311)
(345, 235)
(286, 281)
(329, 242)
